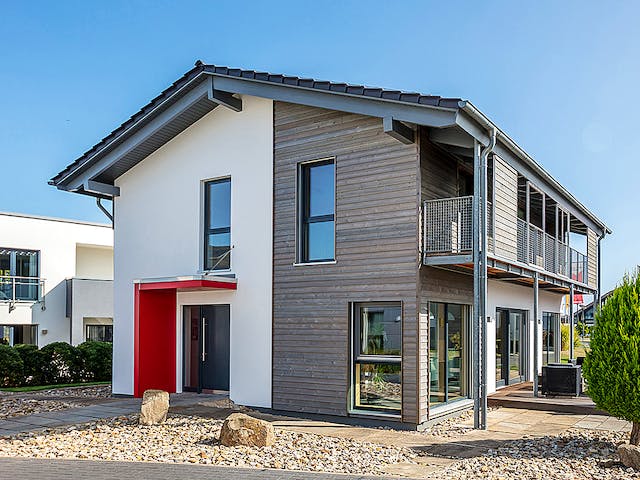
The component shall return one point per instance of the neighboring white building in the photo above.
(56, 280)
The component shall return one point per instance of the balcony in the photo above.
(20, 289)
(448, 231)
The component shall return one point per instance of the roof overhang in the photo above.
(458, 123)
(188, 283)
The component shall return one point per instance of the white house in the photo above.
(322, 247)
(56, 280)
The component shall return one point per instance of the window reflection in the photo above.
(377, 357)
(448, 352)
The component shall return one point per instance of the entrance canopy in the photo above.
(155, 327)
(189, 282)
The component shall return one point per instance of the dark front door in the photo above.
(510, 346)
(206, 348)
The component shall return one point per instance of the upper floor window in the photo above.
(217, 228)
(317, 211)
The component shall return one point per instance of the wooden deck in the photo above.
(521, 396)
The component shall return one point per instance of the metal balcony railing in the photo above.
(448, 230)
(545, 251)
(448, 225)
(20, 289)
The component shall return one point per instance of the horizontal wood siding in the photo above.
(592, 258)
(506, 210)
(376, 255)
(438, 170)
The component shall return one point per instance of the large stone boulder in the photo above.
(629, 455)
(155, 406)
(241, 429)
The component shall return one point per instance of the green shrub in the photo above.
(62, 363)
(612, 366)
(33, 361)
(11, 367)
(564, 337)
(96, 358)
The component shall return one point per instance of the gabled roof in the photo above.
(350, 89)
(205, 87)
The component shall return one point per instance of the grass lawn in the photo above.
(578, 351)
(35, 388)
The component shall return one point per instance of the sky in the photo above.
(561, 78)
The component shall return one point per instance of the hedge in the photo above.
(55, 363)
(11, 367)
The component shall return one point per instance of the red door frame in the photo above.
(154, 331)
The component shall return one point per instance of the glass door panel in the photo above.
(550, 325)
(454, 351)
(515, 347)
(447, 352)
(500, 333)
(510, 346)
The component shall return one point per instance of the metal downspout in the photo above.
(598, 299)
(104, 210)
(480, 274)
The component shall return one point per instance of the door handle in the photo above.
(204, 337)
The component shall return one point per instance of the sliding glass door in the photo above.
(511, 335)
(448, 352)
(550, 338)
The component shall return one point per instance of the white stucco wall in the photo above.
(91, 298)
(56, 240)
(504, 295)
(158, 233)
(94, 262)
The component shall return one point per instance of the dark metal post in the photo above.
(571, 352)
(536, 326)
(477, 307)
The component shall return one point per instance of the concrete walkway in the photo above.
(106, 408)
(30, 468)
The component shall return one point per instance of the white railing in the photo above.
(448, 225)
(20, 289)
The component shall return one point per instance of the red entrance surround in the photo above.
(154, 351)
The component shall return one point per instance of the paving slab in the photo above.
(54, 469)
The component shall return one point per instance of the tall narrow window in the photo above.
(217, 241)
(377, 369)
(317, 211)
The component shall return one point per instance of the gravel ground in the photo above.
(184, 439)
(575, 455)
(14, 404)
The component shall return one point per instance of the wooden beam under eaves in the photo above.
(398, 130)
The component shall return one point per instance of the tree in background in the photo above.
(612, 366)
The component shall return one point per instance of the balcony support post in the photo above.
(536, 328)
(528, 217)
(544, 231)
(571, 339)
(556, 253)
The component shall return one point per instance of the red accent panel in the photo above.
(213, 284)
(154, 340)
